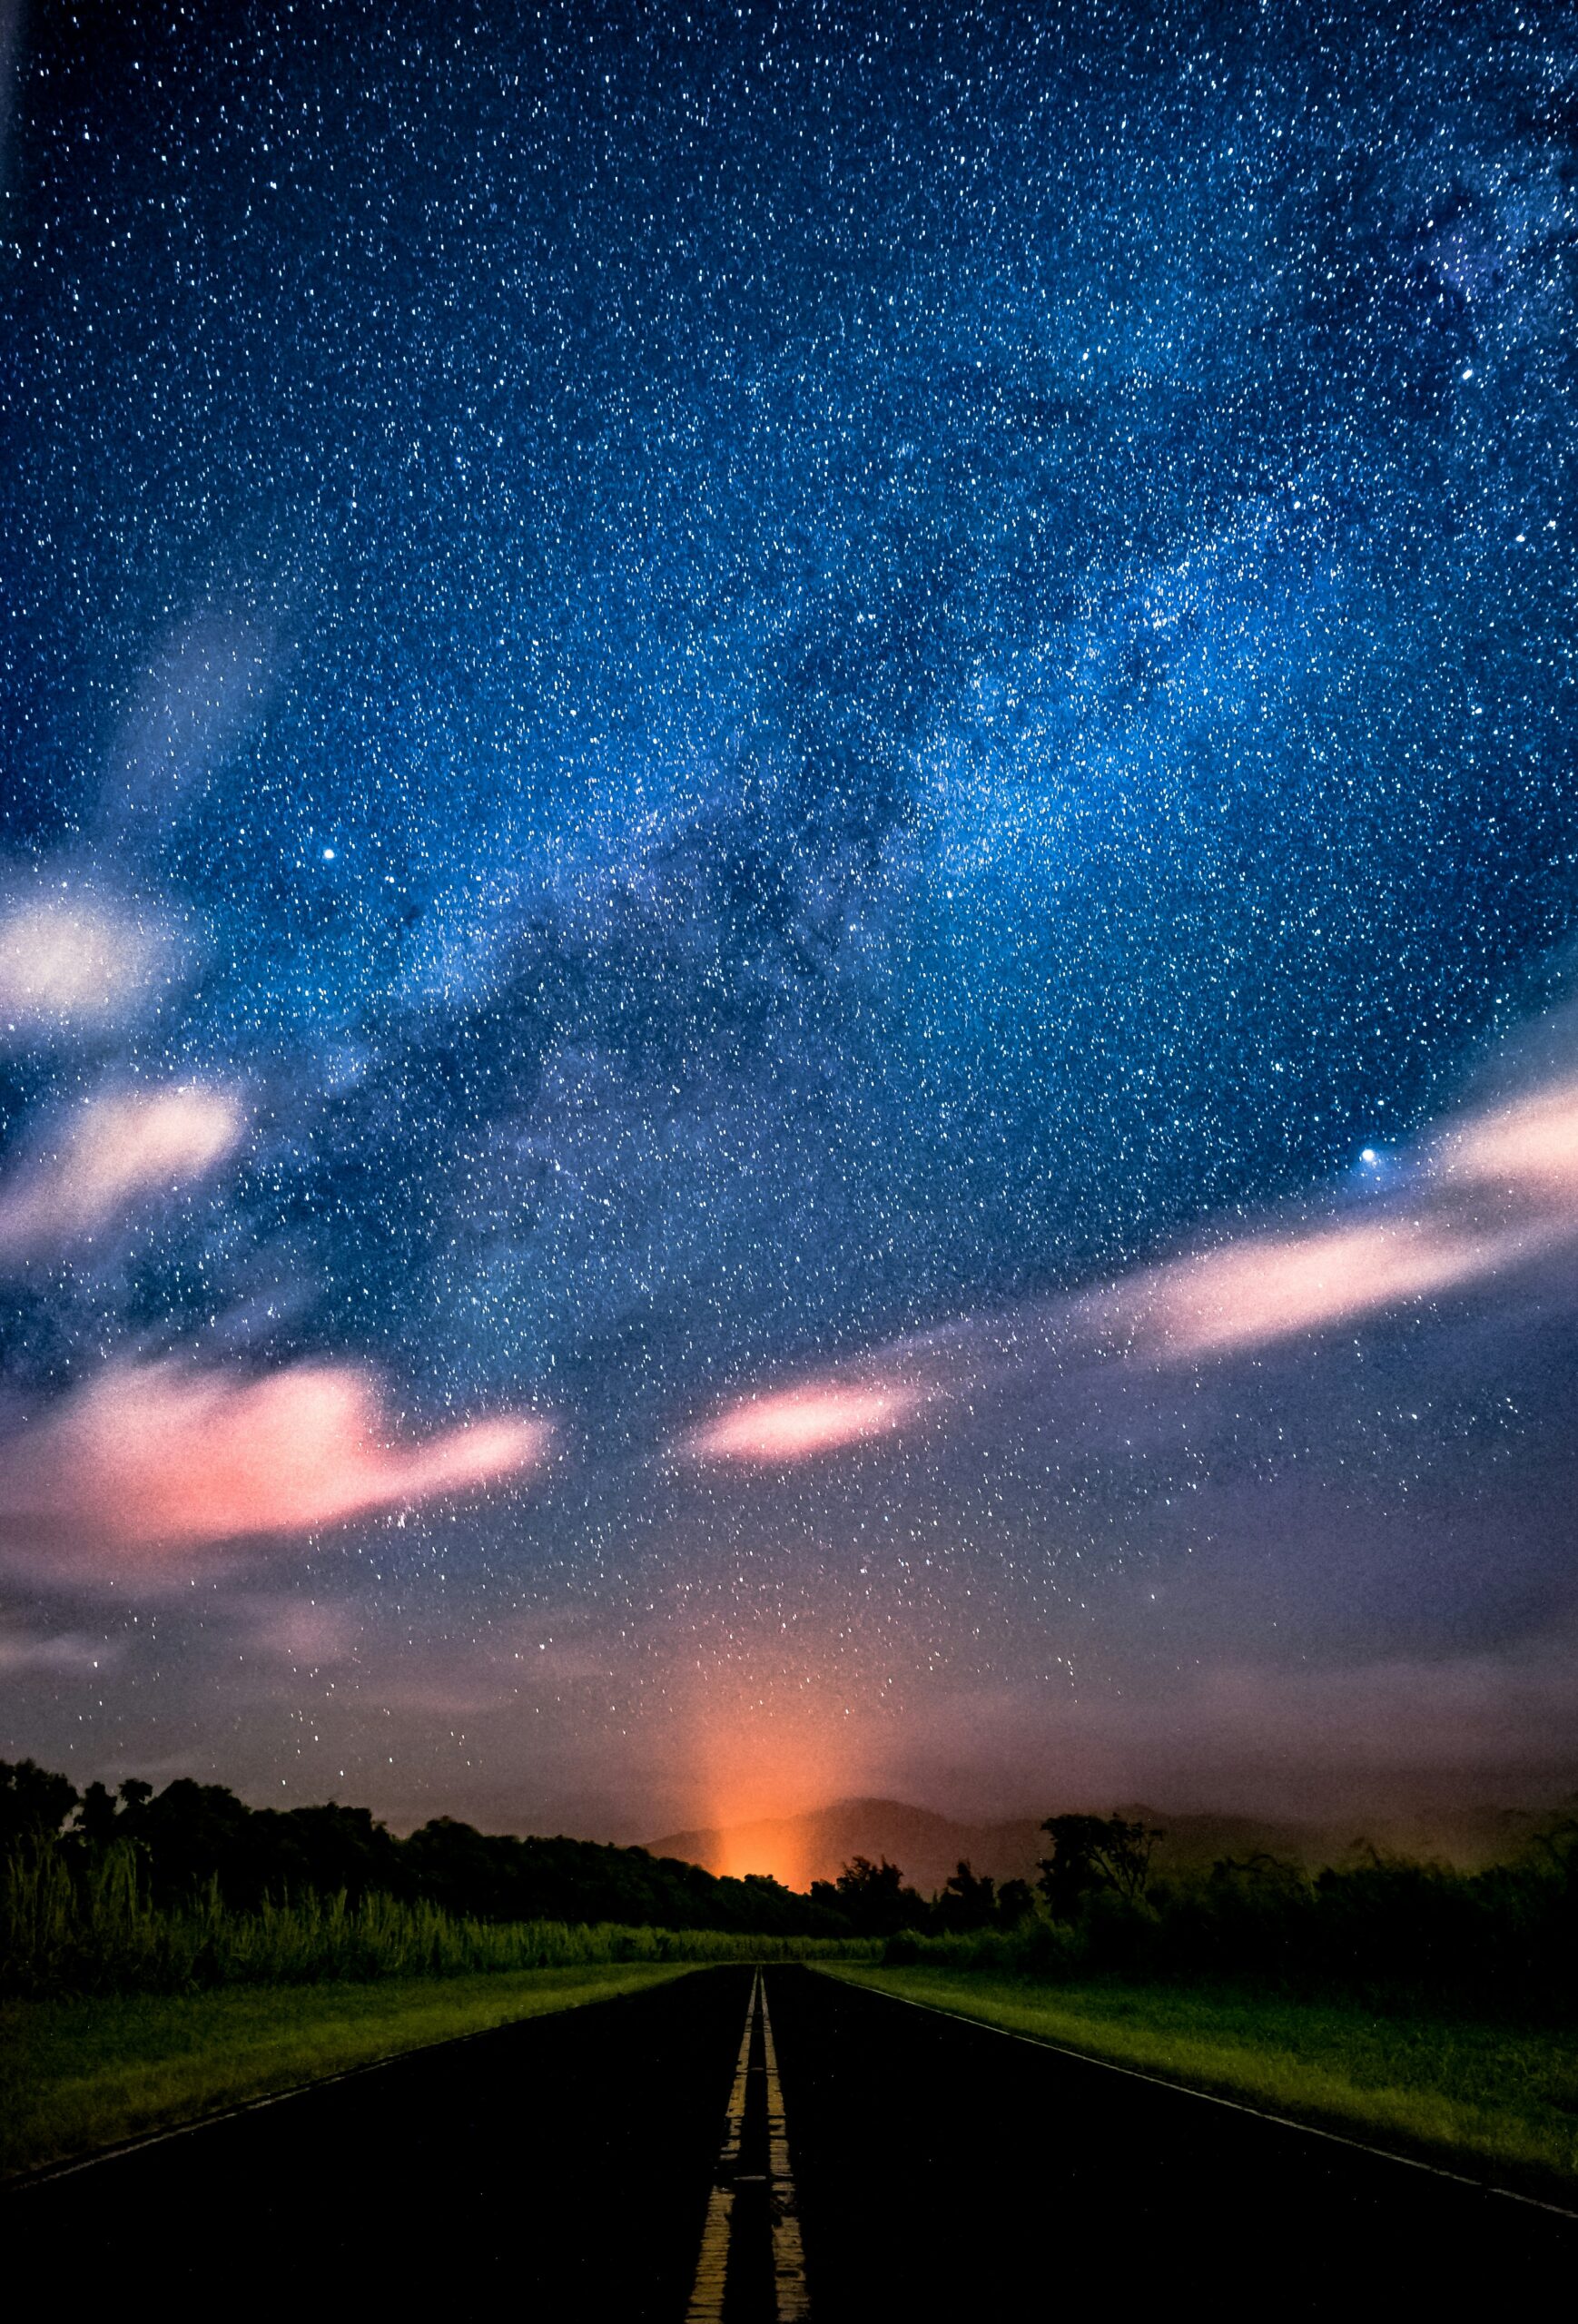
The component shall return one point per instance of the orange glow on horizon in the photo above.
(780, 1733)
(773, 1855)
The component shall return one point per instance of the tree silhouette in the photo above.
(967, 1902)
(96, 1815)
(33, 1803)
(871, 1898)
(1015, 1903)
(1092, 1852)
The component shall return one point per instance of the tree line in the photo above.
(192, 1837)
(1504, 1938)
(1097, 1907)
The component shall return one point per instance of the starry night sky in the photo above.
(692, 698)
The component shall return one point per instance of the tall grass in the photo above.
(93, 1928)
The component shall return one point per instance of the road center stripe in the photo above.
(788, 2251)
(712, 2267)
(725, 2220)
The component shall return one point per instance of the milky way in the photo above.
(690, 693)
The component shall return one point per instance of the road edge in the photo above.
(1213, 2098)
(20, 2181)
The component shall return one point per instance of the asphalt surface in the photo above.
(947, 2171)
(566, 2167)
(558, 2168)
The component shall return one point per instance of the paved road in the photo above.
(578, 2166)
(941, 2166)
(555, 2169)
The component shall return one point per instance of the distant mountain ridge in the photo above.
(817, 1844)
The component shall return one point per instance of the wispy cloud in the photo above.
(192, 704)
(1271, 1288)
(112, 1152)
(1273, 1740)
(814, 1418)
(1489, 1191)
(67, 964)
(154, 1458)
(1528, 1147)
(23, 1649)
(298, 1630)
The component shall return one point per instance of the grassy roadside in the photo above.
(1498, 2100)
(81, 2074)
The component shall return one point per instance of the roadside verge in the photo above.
(1495, 2101)
(83, 2074)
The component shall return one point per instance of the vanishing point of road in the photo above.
(738, 2146)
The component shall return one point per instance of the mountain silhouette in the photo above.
(817, 1844)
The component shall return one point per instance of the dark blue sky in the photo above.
(758, 677)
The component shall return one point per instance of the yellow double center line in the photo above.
(788, 2252)
(788, 2272)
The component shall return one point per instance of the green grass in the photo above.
(85, 2072)
(1498, 2100)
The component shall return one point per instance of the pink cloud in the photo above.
(1496, 1190)
(1273, 1286)
(1245, 1295)
(115, 1151)
(802, 1422)
(1530, 1146)
(158, 1457)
